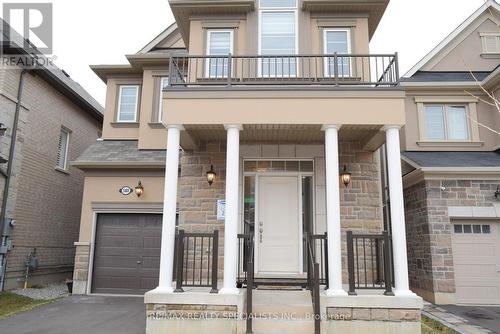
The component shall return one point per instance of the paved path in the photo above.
(81, 315)
(465, 319)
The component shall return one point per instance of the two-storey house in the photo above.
(451, 165)
(240, 166)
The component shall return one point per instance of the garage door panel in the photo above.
(126, 253)
(476, 261)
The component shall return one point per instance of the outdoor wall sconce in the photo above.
(497, 193)
(139, 189)
(211, 175)
(2, 129)
(345, 176)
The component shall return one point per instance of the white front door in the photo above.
(277, 233)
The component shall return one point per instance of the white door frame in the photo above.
(299, 176)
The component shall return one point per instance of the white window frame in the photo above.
(160, 102)
(259, 37)
(207, 50)
(445, 107)
(349, 51)
(120, 104)
(66, 151)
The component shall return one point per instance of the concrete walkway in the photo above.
(81, 315)
(449, 316)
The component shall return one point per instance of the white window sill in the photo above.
(450, 143)
(156, 125)
(61, 170)
(125, 124)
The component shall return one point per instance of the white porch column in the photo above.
(397, 211)
(333, 211)
(231, 212)
(169, 209)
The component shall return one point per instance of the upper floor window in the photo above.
(163, 85)
(128, 100)
(490, 42)
(337, 41)
(446, 122)
(219, 42)
(62, 150)
(278, 36)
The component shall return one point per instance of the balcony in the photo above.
(332, 71)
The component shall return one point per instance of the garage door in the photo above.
(476, 250)
(126, 253)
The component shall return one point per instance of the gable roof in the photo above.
(490, 4)
(12, 42)
(167, 37)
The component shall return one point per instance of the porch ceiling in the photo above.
(282, 133)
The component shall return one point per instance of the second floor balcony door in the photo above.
(219, 42)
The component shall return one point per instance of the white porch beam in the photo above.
(333, 211)
(397, 211)
(169, 209)
(231, 212)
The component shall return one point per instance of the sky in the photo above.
(90, 32)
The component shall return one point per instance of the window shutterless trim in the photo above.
(349, 50)
(160, 98)
(444, 107)
(120, 89)
(207, 50)
(64, 154)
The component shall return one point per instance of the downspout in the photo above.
(8, 174)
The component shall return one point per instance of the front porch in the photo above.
(289, 228)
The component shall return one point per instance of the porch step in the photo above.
(268, 326)
(283, 303)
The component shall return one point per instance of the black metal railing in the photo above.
(196, 263)
(313, 282)
(376, 70)
(369, 262)
(246, 273)
(320, 252)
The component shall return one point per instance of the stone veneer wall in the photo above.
(430, 255)
(361, 209)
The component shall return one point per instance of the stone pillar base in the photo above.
(81, 272)
(371, 314)
(194, 312)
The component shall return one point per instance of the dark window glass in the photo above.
(486, 229)
(457, 228)
(467, 229)
(477, 229)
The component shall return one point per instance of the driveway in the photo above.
(487, 317)
(81, 315)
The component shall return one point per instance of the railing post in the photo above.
(387, 266)
(396, 63)
(336, 68)
(350, 263)
(316, 300)
(215, 261)
(308, 260)
(170, 71)
(250, 270)
(325, 243)
(229, 69)
(180, 262)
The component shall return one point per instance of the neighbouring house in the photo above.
(240, 164)
(451, 164)
(49, 120)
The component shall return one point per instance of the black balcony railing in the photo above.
(369, 262)
(377, 70)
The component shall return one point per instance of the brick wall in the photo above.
(430, 254)
(46, 203)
